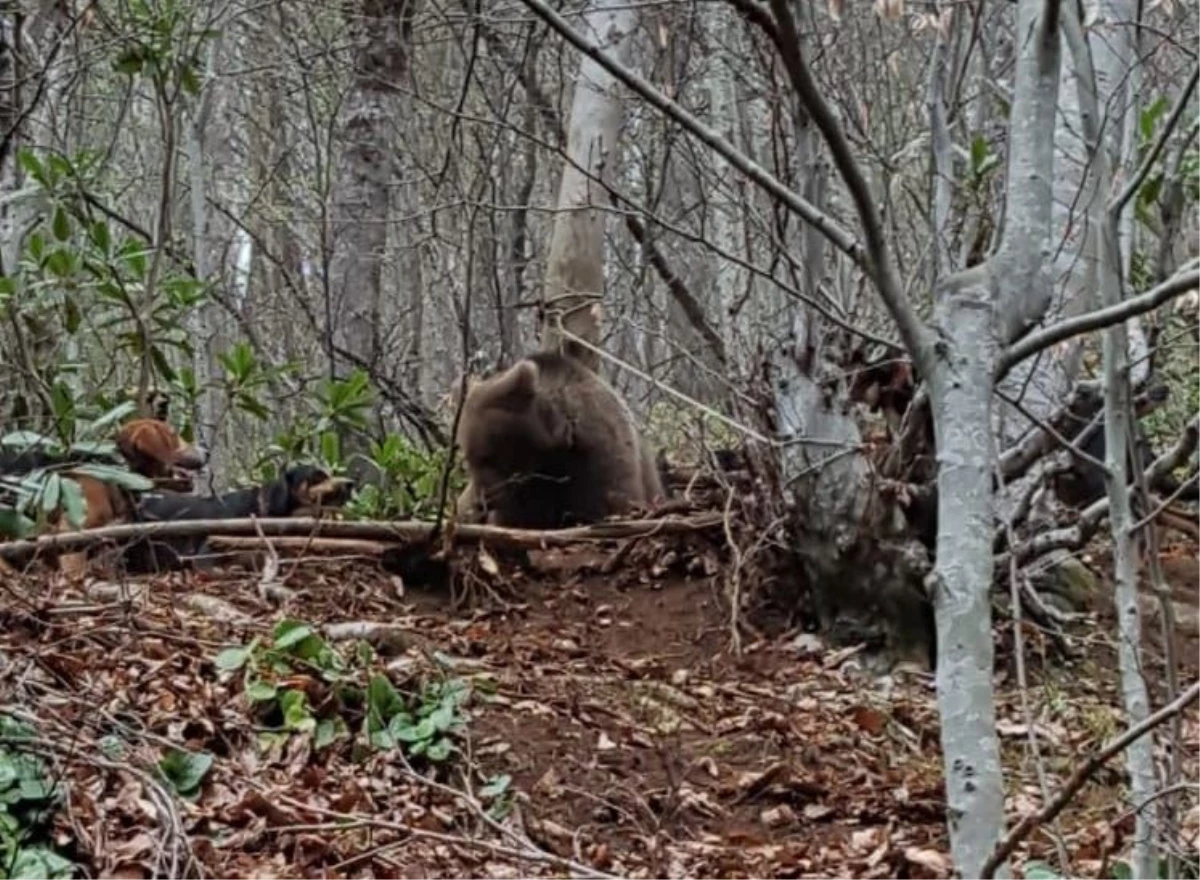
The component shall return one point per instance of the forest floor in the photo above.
(610, 729)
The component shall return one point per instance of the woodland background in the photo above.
(843, 238)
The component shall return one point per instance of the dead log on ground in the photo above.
(371, 530)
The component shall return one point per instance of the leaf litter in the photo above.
(612, 724)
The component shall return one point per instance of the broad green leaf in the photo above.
(382, 740)
(136, 261)
(108, 474)
(37, 247)
(130, 61)
(51, 490)
(1121, 870)
(1035, 870)
(1150, 116)
(58, 166)
(422, 730)
(329, 731)
(28, 160)
(74, 503)
(8, 286)
(233, 658)
(261, 692)
(331, 448)
(72, 317)
(443, 717)
(185, 770)
(61, 224)
(114, 415)
(496, 786)
(20, 439)
(291, 632)
(439, 750)
(38, 862)
(14, 524)
(979, 151)
(189, 80)
(95, 448)
(60, 263)
(101, 236)
(296, 713)
(36, 787)
(383, 701)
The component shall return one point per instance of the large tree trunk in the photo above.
(995, 301)
(361, 197)
(575, 266)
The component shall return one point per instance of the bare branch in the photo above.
(362, 529)
(1135, 182)
(879, 263)
(1097, 319)
(1080, 777)
(840, 237)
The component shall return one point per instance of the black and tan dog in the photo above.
(300, 489)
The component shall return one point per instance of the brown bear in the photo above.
(548, 443)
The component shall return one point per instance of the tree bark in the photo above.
(381, 34)
(575, 267)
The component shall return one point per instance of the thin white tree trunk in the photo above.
(974, 309)
(1115, 67)
(575, 265)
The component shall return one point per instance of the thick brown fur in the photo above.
(548, 443)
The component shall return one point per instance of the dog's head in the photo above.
(306, 488)
(155, 450)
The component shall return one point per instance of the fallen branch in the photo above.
(392, 532)
(1080, 777)
(348, 546)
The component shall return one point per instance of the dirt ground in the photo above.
(638, 742)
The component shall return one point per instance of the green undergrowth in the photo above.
(30, 797)
(296, 683)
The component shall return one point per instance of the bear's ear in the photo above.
(519, 383)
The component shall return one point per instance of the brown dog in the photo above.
(150, 446)
(548, 443)
(155, 450)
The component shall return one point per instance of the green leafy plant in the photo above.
(277, 678)
(336, 407)
(497, 793)
(423, 726)
(184, 771)
(29, 799)
(408, 483)
(74, 263)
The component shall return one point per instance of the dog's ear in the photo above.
(279, 496)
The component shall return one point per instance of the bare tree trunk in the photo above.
(361, 196)
(1118, 433)
(203, 320)
(575, 266)
(998, 299)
